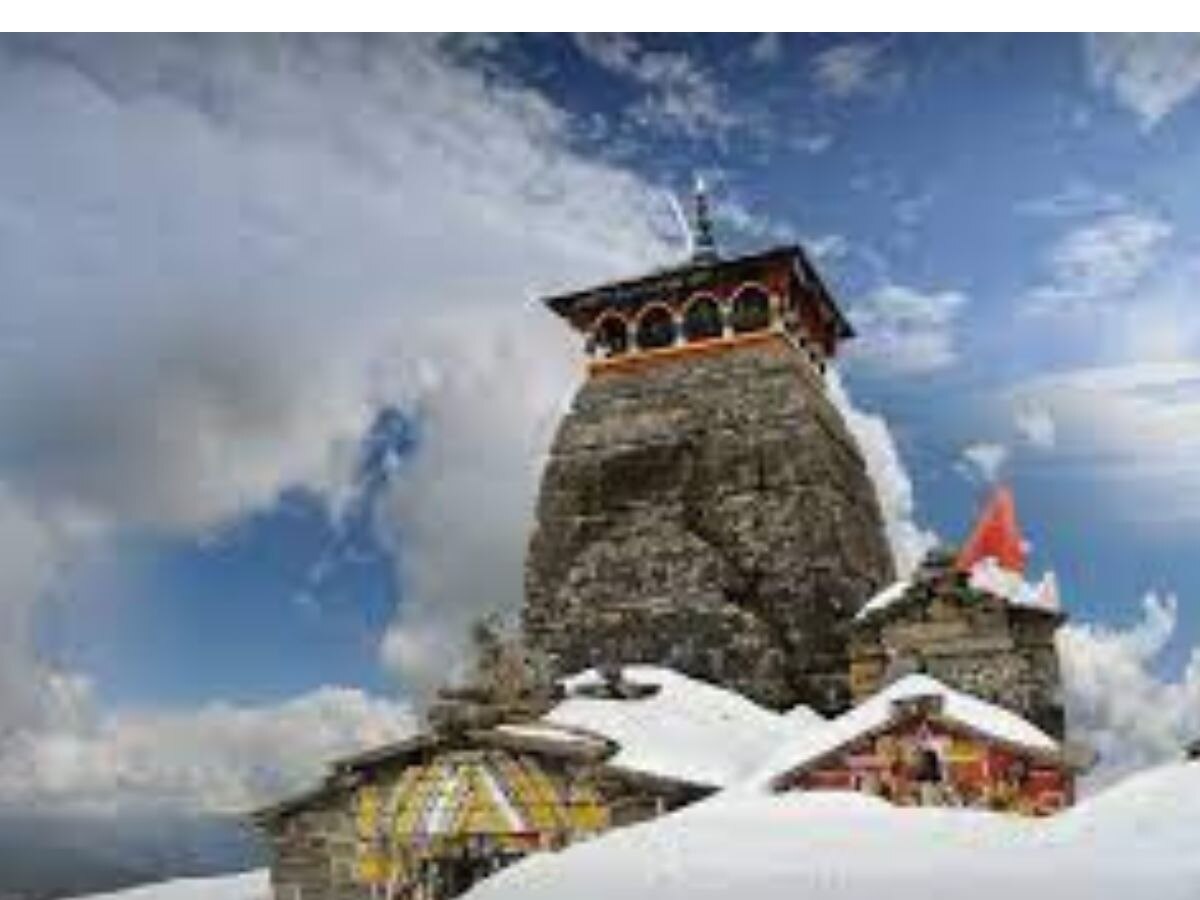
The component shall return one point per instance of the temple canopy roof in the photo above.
(812, 745)
(695, 275)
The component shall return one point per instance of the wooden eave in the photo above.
(690, 276)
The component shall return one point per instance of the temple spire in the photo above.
(704, 246)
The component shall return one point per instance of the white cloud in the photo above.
(34, 548)
(893, 486)
(1132, 429)
(856, 68)
(1115, 700)
(332, 213)
(461, 511)
(904, 331)
(1035, 426)
(680, 93)
(767, 48)
(1076, 198)
(826, 247)
(218, 758)
(984, 460)
(224, 254)
(1100, 263)
(1149, 74)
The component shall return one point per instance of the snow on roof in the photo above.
(808, 745)
(985, 575)
(687, 730)
(884, 598)
(548, 731)
(989, 576)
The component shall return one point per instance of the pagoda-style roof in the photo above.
(696, 275)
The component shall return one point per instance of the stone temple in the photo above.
(704, 505)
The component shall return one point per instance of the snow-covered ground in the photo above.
(244, 886)
(1139, 839)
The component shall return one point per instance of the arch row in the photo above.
(703, 317)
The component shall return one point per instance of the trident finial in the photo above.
(704, 248)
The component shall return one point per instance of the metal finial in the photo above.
(704, 245)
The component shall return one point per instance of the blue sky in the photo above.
(275, 382)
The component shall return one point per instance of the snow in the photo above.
(1136, 840)
(688, 730)
(547, 731)
(244, 886)
(988, 576)
(884, 598)
(1157, 806)
(808, 744)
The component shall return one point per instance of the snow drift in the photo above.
(1138, 839)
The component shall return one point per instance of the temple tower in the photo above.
(703, 505)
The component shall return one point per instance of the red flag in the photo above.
(996, 535)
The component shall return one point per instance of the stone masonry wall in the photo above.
(710, 513)
(977, 644)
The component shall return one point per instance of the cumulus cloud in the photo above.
(1134, 430)
(984, 460)
(1149, 74)
(459, 513)
(1099, 263)
(905, 331)
(217, 759)
(34, 548)
(893, 486)
(224, 256)
(1116, 701)
(856, 68)
(196, 350)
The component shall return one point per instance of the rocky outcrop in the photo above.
(710, 513)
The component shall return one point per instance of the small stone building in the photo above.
(920, 743)
(971, 620)
(428, 817)
(490, 781)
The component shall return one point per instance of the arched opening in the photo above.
(702, 320)
(656, 328)
(751, 310)
(611, 337)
